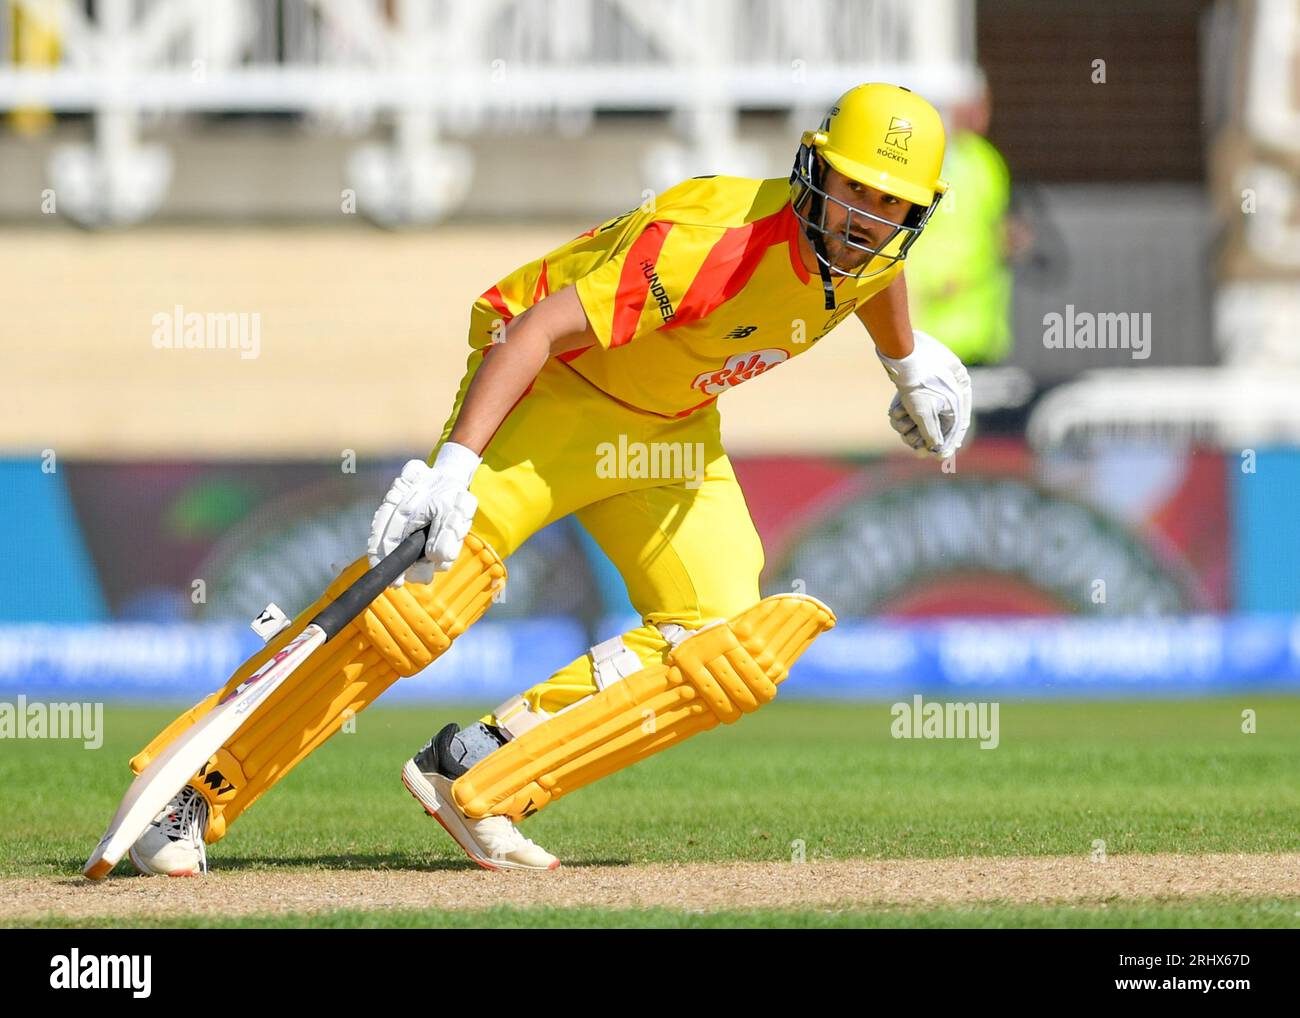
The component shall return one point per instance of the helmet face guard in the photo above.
(812, 203)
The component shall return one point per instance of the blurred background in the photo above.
(325, 186)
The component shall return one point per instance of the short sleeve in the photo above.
(630, 293)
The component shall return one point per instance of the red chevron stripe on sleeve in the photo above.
(728, 267)
(498, 302)
(634, 281)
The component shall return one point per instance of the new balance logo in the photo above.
(741, 331)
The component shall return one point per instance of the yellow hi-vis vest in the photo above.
(958, 281)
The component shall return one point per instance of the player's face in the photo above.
(862, 230)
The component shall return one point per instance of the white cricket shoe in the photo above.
(493, 842)
(172, 845)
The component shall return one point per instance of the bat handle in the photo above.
(370, 584)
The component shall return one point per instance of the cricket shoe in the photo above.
(172, 844)
(493, 842)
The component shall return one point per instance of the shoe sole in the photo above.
(427, 796)
(145, 871)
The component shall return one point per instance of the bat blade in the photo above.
(168, 773)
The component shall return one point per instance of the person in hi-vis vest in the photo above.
(959, 280)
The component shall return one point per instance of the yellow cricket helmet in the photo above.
(886, 137)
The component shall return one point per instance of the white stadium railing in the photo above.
(437, 69)
(1229, 408)
(1252, 400)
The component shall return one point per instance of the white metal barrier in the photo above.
(436, 69)
(1255, 182)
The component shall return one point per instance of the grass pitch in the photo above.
(798, 780)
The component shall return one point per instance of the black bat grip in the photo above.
(370, 584)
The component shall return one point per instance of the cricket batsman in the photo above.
(631, 330)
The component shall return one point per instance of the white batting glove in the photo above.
(901, 421)
(932, 409)
(423, 494)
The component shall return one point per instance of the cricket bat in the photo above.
(168, 773)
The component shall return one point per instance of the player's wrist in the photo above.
(916, 366)
(903, 371)
(457, 462)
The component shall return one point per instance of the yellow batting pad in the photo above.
(716, 675)
(402, 631)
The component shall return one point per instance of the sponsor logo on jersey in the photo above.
(657, 290)
(741, 331)
(739, 368)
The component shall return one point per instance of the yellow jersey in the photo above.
(688, 297)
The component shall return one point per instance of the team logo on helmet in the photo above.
(900, 129)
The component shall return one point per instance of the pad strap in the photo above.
(613, 660)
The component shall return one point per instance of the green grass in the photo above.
(1201, 913)
(1144, 777)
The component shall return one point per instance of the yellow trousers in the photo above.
(683, 540)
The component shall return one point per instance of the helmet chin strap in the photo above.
(828, 288)
(816, 214)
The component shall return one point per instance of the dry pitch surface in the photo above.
(696, 887)
(1199, 822)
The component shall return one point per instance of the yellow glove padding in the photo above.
(402, 631)
(717, 674)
